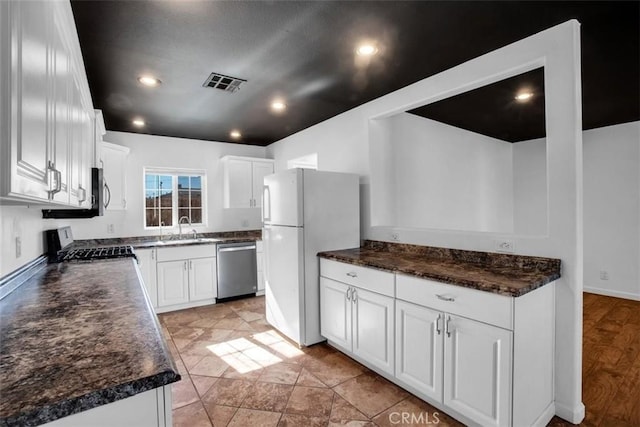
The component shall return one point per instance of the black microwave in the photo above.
(100, 198)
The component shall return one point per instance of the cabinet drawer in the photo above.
(471, 303)
(378, 281)
(186, 252)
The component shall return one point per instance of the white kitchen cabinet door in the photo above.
(259, 171)
(114, 163)
(335, 315)
(373, 331)
(419, 341)
(173, 282)
(238, 184)
(28, 53)
(477, 370)
(202, 278)
(147, 266)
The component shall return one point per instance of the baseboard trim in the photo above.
(574, 415)
(610, 293)
(546, 416)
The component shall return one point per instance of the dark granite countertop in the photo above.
(144, 242)
(76, 336)
(505, 274)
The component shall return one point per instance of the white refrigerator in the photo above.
(304, 212)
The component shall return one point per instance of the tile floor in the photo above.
(238, 371)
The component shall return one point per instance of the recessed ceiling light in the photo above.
(138, 122)
(366, 49)
(149, 81)
(235, 134)
(524, 96)
(278, 106)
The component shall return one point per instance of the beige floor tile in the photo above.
(311, 401)
(306, 378)
(227, 392)
(343, 411)
(251, 374)
(192, 415)
(202, 384)
(183, 393)
(281, 373)
(334, 368)
(370, 393)
(267, 397)
(253, 418)
(218, 414)
(211, 366)
(294, 420)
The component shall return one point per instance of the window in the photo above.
(171, 195)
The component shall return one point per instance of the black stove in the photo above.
(90, 254)
(60, 248)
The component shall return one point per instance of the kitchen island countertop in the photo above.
(76, 336)
(505, 274)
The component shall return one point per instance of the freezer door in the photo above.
(283, 198)
(284, 275)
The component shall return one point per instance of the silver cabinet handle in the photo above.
(184, 264)
(447, 326)
(108, 190)
(84, 195)
(57, 175)
(124, 203)
(349, 293)
(153, 254)
(354, 296)
(438, 330)
(352, 274)
(445, 298)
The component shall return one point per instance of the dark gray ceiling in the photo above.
(303, 51)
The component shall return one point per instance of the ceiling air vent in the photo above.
(222, 82)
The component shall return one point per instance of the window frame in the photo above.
(174, 173)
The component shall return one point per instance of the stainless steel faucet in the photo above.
(180, 225)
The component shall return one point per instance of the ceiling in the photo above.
(303, 52)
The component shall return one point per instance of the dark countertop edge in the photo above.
(513, 292)
(13, 280)
(91, 400)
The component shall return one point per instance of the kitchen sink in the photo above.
(178, 242)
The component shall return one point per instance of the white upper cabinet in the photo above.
(243, 181)
(114, 162)
(46, 106)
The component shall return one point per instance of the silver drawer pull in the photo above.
(448, 329)
(352, 274)
(445, 298)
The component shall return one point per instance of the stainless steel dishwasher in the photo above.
(237, 269)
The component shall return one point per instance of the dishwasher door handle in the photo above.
(237, 248)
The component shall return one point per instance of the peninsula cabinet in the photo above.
(484, 358)
(357, 312)
(46, 106)
(244, 180)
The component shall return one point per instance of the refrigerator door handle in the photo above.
(266, 204)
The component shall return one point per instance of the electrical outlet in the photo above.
(245, 222)
(110, 229)
(504, 246)
(604, 275)
(395, 236)
(18, 247)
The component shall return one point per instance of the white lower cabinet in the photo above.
(484, 358)
(147, 265)
(186, 276)
(358, 321)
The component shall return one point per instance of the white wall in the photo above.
(449, 178)
(530, 187)
(612, 210)
(146, 150)
(344, 143)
